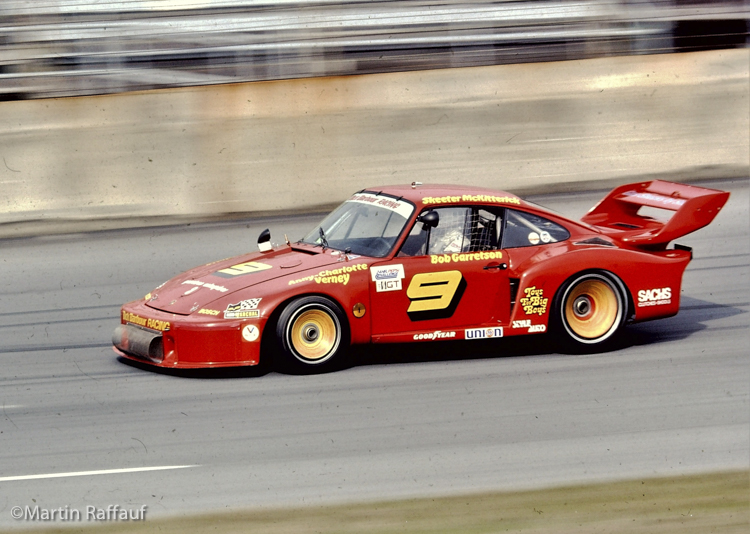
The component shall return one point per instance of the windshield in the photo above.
(366, 224)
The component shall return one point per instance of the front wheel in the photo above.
(313, 335)
(590, 309)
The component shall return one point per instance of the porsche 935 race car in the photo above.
(424, 263)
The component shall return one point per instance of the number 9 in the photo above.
(434, 295)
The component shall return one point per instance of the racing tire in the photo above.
(313, 336)
(590, 310)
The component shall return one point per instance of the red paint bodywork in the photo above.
(190, 309)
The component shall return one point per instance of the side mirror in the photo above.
(264, 241)
(429, 219)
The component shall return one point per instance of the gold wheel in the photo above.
(592, 309)
(314, 334)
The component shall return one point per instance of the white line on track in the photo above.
(90, 473)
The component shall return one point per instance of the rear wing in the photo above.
(620, 213)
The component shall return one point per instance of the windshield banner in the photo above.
(399, 206)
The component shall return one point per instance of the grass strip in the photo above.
(699, 504)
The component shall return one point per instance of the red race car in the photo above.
(423, 263)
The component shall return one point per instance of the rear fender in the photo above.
(642, 273)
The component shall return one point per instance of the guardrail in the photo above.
(81, 47)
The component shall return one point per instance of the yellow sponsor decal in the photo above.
(466, 256)
(534, 303)
(333, 276)
(440, 200)
(154, 324)
(336, 279)
(205, 311)
(471, 198)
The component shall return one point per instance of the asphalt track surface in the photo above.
(408, 420)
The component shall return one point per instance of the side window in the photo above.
(485, 228)
(452, 234)
(526, 230)
(458, 230)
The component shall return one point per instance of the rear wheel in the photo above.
(313, 335)
(591, 308)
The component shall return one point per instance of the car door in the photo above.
(448, 276)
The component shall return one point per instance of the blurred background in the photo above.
(85, 47)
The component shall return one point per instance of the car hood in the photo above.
(198, 287)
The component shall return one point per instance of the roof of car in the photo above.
(444, 194)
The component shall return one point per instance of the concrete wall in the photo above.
(302, 144)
